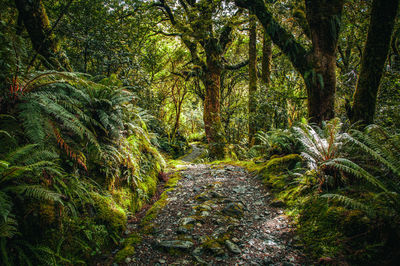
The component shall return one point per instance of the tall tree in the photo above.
(266, 62)
(316, 65)
(196, 23)
(383, 16)
(37, 24)
(252, 78)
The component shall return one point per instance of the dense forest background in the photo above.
(98, 97)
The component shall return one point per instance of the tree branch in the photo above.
(280, 37)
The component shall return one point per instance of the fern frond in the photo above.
(354, 169)
(351, 203)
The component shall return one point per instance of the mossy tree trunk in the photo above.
(37, 24)
(202, 39)
(323, 18)
(252, 79)
(317, 66)
(383, 16)
(212, 106)
(266, 62)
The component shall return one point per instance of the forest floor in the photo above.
(216, 215)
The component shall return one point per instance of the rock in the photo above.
(181, 244)
(216, 195)
(259, 202)
(184, 229)
(196, 189)
(199, 260)
(234, 209)
(235, 240)
(202, 197)
(197, 251)
(187, 220)
(202, 207)
(128, 260)
(229, 168)
(205, 214)
(239, 189)
(232, 247)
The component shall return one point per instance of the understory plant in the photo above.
(349, 193)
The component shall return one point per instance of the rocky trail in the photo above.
(216, 215)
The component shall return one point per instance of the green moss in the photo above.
(281, 164)
(109, 212)
(133, 239)
(127, 251)
(129, 247)
(173, 181)
(176, 164)
(125, 198)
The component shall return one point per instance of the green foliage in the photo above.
(276, 142)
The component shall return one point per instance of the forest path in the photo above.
(196, 152)
(216, 215)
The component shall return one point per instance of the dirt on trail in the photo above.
(217, 215)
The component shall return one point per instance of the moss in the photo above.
(127, 251)
(109, 212)
(176, 164)
(129, 247)
(125, 198)
(173, 181)
(281, 164)
(152, 213)
(133, 239)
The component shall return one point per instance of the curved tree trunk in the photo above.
(316, 66)
(383, 16)
(43, 40)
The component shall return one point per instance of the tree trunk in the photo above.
(266, 62)
(252, 79)
(316, 66)
(324, 20)
(212, 109)
(383, 16)
(43, 40)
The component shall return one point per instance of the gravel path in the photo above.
(196, 152)
(218, 215)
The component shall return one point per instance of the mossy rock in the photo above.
(127, 251)
(129, 247)
(110, 212)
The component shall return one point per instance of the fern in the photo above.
(351, 203)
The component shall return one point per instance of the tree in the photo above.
(196, 24)
(252, 78)
(383, 15)
(37, 24)
(266, 62)
(316, 65)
